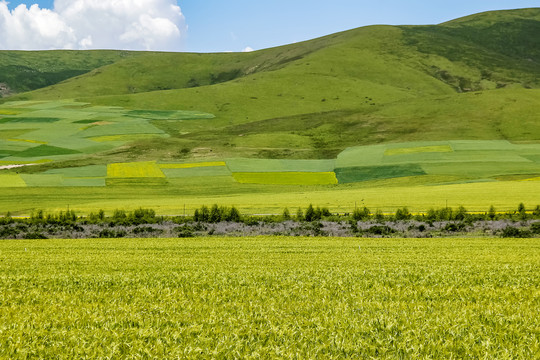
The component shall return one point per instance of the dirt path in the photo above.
(5, 167)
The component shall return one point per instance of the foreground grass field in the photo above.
(270, 297)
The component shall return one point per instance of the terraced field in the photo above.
(62, 130)
(425, 162)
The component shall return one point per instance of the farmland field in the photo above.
(63, 130)
(270, 297)
(193, 192)
(286, 178)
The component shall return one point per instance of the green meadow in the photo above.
(270, 297)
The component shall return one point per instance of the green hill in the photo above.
(29, 70)
(474, 80)
(363, 86)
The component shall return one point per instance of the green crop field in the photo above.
(279, 165)
(63, 130)
(270, 297)
(169, 195)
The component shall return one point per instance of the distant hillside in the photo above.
(472, 78)
(30, 70)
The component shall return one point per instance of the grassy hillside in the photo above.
(472, 79)
(22, 71)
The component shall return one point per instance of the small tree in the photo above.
(402, 214)
(203, 214)
(445, 214)
(361, 214)
(119, 216)
(299, 215)
(461, 214)
(325, 212)
(310, 213)
(286, 214)
(492, 213)
(431, 215)
(522, 211)
(216, 214)
(234, 215)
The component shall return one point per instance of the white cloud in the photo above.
(94, 24)
(248, 49)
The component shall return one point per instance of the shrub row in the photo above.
(216, 214)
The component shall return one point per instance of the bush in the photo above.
(233, 215)
(453, 227)
(217, 214)
(34, 236)
(513, 232)
(380, 230)
(402, 214)
(310, 214)
(361, 214)
(106, 233)
(535, 228)
(185, 231)
(145, 230)
(492, 213)
(6, 219)
(8, 232)
(119, 217)
(142, 216)
(286, 214)
(299, 215)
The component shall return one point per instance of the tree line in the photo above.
(216, 214)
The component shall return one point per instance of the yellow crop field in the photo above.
(28, 141)
(9, 112)
(419, 149)
(192, 165)
(128, 137)
(11, 180)
(287, 178)
(146, 169)
(532, 179)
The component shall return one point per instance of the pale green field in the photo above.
(270, 297)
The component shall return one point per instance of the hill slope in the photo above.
(471, 78)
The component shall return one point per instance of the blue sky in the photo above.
(234, 25)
